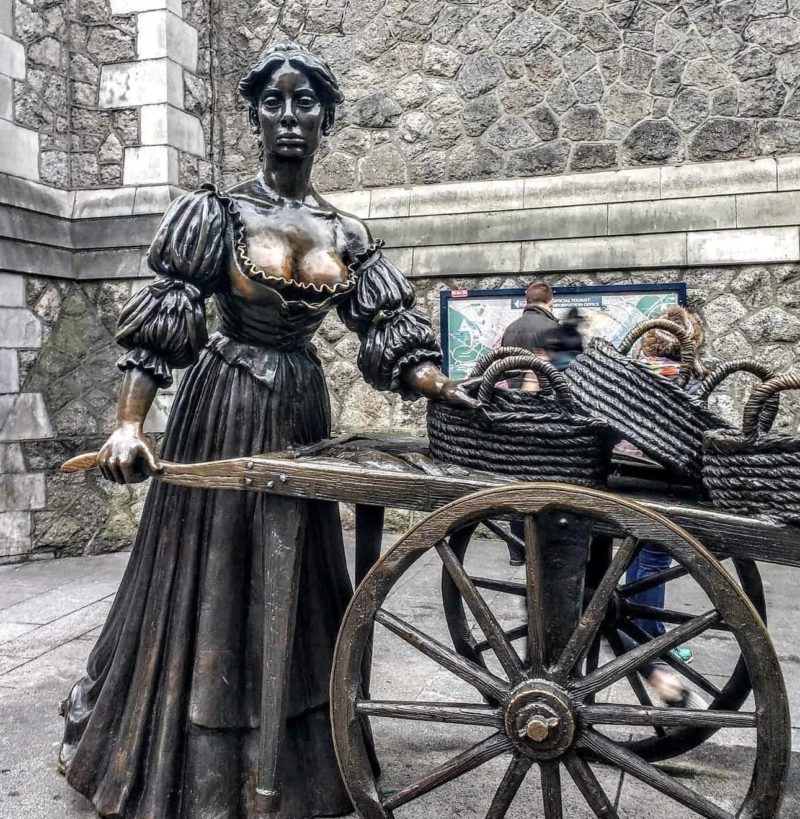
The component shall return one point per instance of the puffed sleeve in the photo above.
(393, 336)
(163, 326)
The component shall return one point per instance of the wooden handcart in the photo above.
(539, 705)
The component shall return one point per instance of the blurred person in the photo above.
(564, 343)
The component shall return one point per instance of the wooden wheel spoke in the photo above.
(636, 612)
(641, 636)
(503, 534)
(454, 713)
(507, 586)
(535, 597)
(481, 679)
(669, 717)
(625, 760)
(643, 653)
(515, 633)
(594, 612)
(493, 631)
(509, 785)
(635, 682)
(551, 790)
(591, 790)
(472, 758)
(652, 581)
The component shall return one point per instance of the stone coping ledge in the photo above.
(761, 175)
(85, 204)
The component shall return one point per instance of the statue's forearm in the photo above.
(136, 396)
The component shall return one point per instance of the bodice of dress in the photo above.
(202, 249)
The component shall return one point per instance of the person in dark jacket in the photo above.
(530, 332)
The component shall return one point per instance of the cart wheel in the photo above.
(540, 708)
(620, 616)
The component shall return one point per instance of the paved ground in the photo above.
(51, 612)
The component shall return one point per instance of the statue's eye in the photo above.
(306, 101)
(269, 102)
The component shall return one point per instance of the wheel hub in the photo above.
(539, 719)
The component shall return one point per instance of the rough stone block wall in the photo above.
(746, 310)
(459, 89)
(66, 45)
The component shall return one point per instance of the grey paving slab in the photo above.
(39, 661)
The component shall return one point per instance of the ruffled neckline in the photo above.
(289, 289)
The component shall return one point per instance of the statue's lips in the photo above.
(290, 140)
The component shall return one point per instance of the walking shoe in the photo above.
(684, 654)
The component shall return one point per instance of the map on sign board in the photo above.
(473, 321)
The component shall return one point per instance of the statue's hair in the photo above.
(317, 70)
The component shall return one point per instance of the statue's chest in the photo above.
(295, 245)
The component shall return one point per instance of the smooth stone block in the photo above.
(164, 34)
(751, 246)
(715, 178)
(658, 250)
(6, 98)
(107, 264)
(356, 203)
(39, 260)
(166, 125)
(11, 458)
(9, 372)
(19, 329)
(15, 533)
(154, 198)
(768, 209)
(146, 82)
(24, 417)
(150, 164)
(7, 17)
(134, 6)
(592, 188)
(19, 149)
(387, 202)
(467, 197)
(12, 290)
(467, 260)
(12, 58)
(101, 202)
(401, 257)
(667, 216)
(788, 173)
(32, 226)
(24, 193)
(97, 234)
(22, 492)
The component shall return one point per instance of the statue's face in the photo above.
(290, 114)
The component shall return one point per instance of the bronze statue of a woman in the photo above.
(165, 723)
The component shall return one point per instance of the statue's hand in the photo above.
(457, 393)
(127, 456)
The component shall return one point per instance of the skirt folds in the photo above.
(165, 723)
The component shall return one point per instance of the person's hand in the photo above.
(127, 456)
(457, 393)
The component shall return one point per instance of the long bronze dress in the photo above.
(164, 724)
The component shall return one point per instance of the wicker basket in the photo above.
(655, 414)
(754, 472)
(533, 436)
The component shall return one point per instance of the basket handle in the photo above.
(753, 409)
(526, 362)
(688, 350)
(747, 365)
(482, 364)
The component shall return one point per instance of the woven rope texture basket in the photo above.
(752, 471)
(535, 436)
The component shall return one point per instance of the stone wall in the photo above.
(460, 89)
(746, 310)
